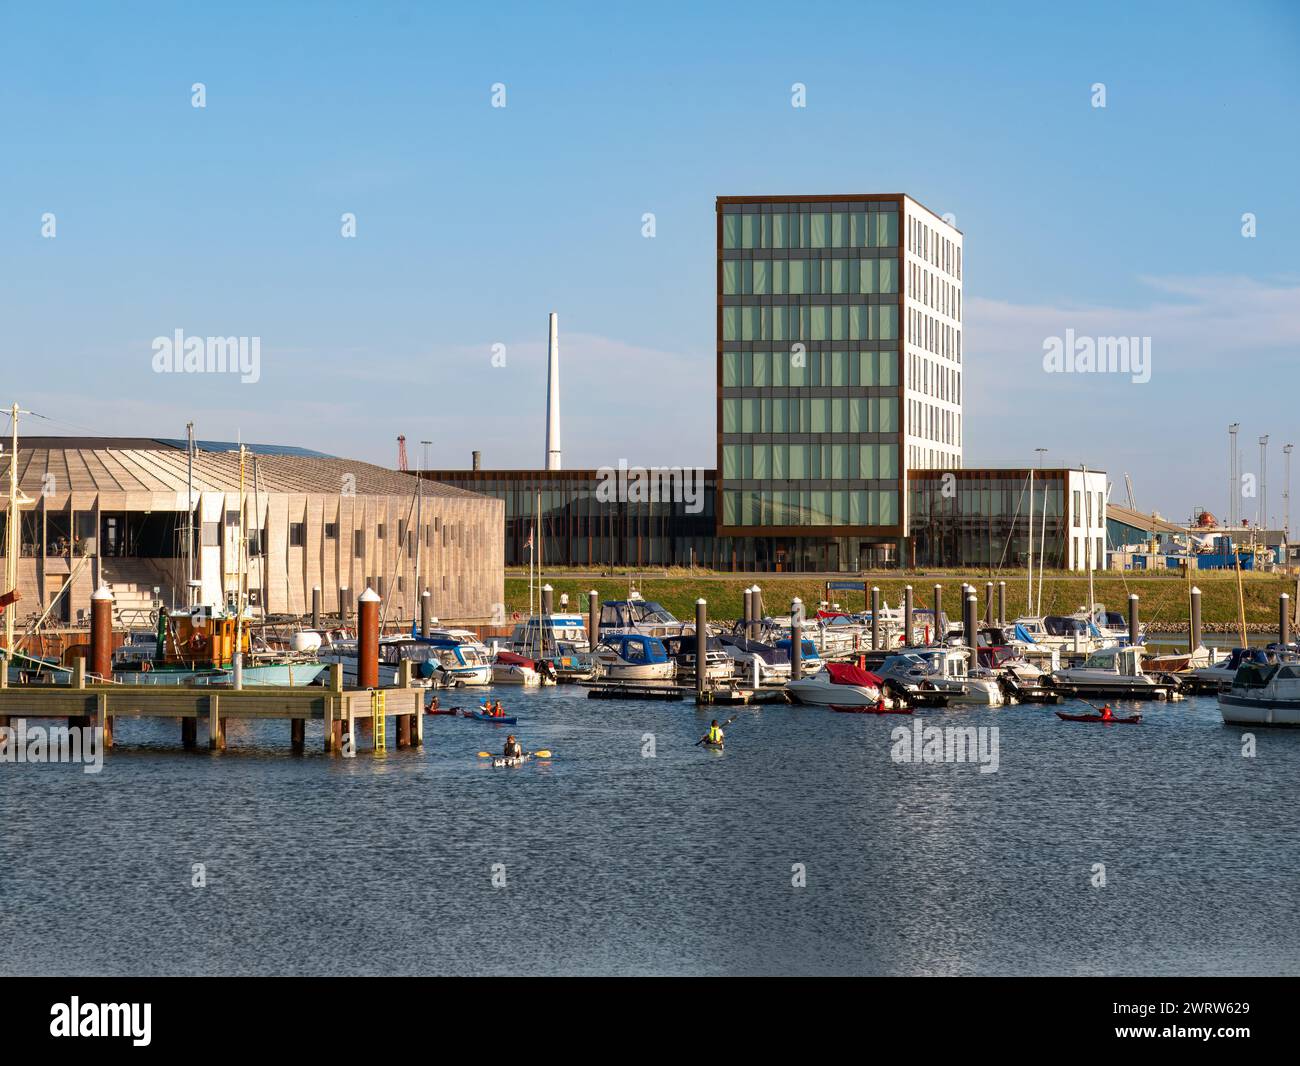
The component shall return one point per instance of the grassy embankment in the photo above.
(1163, 595)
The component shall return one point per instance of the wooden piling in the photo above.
(189, 733)
(216, 728)
(298, 735)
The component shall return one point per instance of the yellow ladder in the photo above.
(377, 708)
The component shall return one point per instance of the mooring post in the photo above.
(758, 612)
(101, 634)
(875, 618)
(907, 615)
(344, 604)
(404, 682)
(368, 640)
(1002, 603)
(298, 735)
(796, 639)
(701, 646)
(189, 732)
(747, 624)
(333, 726)
(426, 613)
(548, 601)
(216, 727)
(315, 608)
(970, 627)
(1133, 627)
(101, 713)
(1194, 626)
(939, 633)
(1284, 619)
(593, 619)
(988, 603)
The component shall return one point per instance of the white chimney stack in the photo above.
(553, 397)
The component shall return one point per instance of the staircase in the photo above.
(132, 582)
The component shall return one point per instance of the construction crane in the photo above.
(402, 464)
(1128, 485)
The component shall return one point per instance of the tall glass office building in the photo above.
(838, 348)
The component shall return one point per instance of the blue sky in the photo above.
(473, 222)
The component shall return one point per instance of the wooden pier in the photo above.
(338, 709)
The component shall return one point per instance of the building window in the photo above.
(379, 531)
(1077, 507)
(358, 544)
(297, 534)
(211, 534)
(331, 530)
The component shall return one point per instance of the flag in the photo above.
(529, 542)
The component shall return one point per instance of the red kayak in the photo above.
(874, 708)
(1133, 720)
(451, 710)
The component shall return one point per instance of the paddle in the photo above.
(543, 754)
(721, 725)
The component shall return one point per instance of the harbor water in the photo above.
(605, 860)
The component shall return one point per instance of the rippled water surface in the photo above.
(676, 864)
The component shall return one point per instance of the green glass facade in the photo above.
(809, 394)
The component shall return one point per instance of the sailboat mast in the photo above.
(1029, 604)
(1087, 499)
(189, 516)
(13, 533)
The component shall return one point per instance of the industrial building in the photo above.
(118, 511)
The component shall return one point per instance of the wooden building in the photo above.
(117, 511)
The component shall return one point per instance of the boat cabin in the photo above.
(636, 648)
(639, 616)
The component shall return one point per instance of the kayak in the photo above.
(712, 746)
(511, 760)
(481, 717)
(1098, 718)
(449, 710)
(869, 709)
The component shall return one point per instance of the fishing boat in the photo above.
(634, 657)
(198, 647)
(1115, 671)
(1263, 694)
(837, 683)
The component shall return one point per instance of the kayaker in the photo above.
(499, 711)
(1106, 713)
(715, 733)
(513, 748)
(487, 707)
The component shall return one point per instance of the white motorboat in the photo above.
(843, 684)
(944, 669)
(1114, 671)
(1263, 695)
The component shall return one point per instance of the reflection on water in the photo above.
(681, 864)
